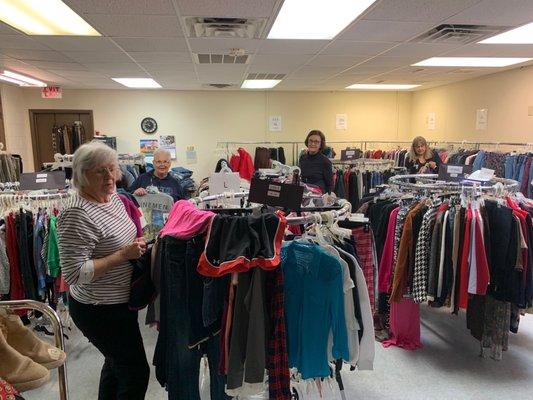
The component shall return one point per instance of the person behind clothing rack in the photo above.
(316, 167)
(422, 159)
(159, 177)
(97, 239)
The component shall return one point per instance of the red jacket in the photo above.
(243, 164)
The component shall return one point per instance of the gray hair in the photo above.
(161, 150)
(89, 156)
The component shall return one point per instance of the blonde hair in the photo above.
(416, 141)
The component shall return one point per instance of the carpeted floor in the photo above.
(447, 367)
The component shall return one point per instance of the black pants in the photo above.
(114, 331)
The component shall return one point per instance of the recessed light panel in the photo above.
(260, 83)
(44, 17)
(488, 62)
(520, 35)
(381, 86)
(138, 83)
(305, 19)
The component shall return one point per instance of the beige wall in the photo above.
(506, 95)
(204, 118)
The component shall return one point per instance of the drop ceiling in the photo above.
(148, 39)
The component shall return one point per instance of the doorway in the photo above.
(41, 124)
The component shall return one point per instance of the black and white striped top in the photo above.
(87, 231)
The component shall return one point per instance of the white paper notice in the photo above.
(341, 122)
(274, 123)
(432, 121)
(482, 119)
(482, 175)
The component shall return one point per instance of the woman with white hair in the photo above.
(159, 177)
(97, 239)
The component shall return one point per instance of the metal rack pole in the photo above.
(58, 334)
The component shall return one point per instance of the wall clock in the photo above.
(148, 125)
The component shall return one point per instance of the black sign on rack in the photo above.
(42, 180)
(350, 154)
(454, 173)
(288, 196)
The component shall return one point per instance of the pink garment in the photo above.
(185, 221)
(387, 257)
(404, 325)
(133, 212)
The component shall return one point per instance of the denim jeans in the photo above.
(178, 365)
(510, 165)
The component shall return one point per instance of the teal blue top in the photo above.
(314, 306)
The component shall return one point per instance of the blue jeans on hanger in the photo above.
(510, 164)
(480, 161)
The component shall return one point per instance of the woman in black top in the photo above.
(422, 160)
(316, 167)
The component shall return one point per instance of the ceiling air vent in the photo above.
(458, 34)
(218, 85)
(264, 75)
(209, 27)
(206, 58)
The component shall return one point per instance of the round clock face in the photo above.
(148, 125)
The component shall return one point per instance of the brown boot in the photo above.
(28, 344)
(19, 370)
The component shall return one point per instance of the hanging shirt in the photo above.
(314, 305)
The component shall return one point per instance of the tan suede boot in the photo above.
(28, 344)
(23, 373)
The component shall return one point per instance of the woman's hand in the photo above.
(135, 250)
(140, 192)
(423, 169)
(432, 164)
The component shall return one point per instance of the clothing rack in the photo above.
(432, 185)
(367, 164)
(13, 305)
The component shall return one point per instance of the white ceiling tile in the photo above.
(160, 57)
(492, 50)
(294, 47)
(175, 76)
(279, 60)
(335, 61)
(393, 62)
(161, 68)
(496, 12)
(308, 72)
(227, 8)
(421, 50)
(77, 43)
(126, 70)
(222, 46)
(221, 73)
(345, 48)
(122, 6)
(381, 31)
(77, 75)
(136, 25)
(367, 70)
(35, 55)
(49, 65)
(98, 57)
(418, 10)
(20, 42)
(152, 44)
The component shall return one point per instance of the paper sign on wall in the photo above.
(432, 119)
(482, 119)
(168, 142)
(341, 122)
(274, 123)
(191, 156)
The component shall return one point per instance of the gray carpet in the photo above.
(447, 367)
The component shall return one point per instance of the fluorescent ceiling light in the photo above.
(11, 80)
(44, 17)
(381, 86)
(315, 19)
(139, 83)
(23, 78)
(470, 62)
(520, 35)
(260, 83)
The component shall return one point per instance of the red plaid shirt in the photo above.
(363, 246)
(277, 356)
